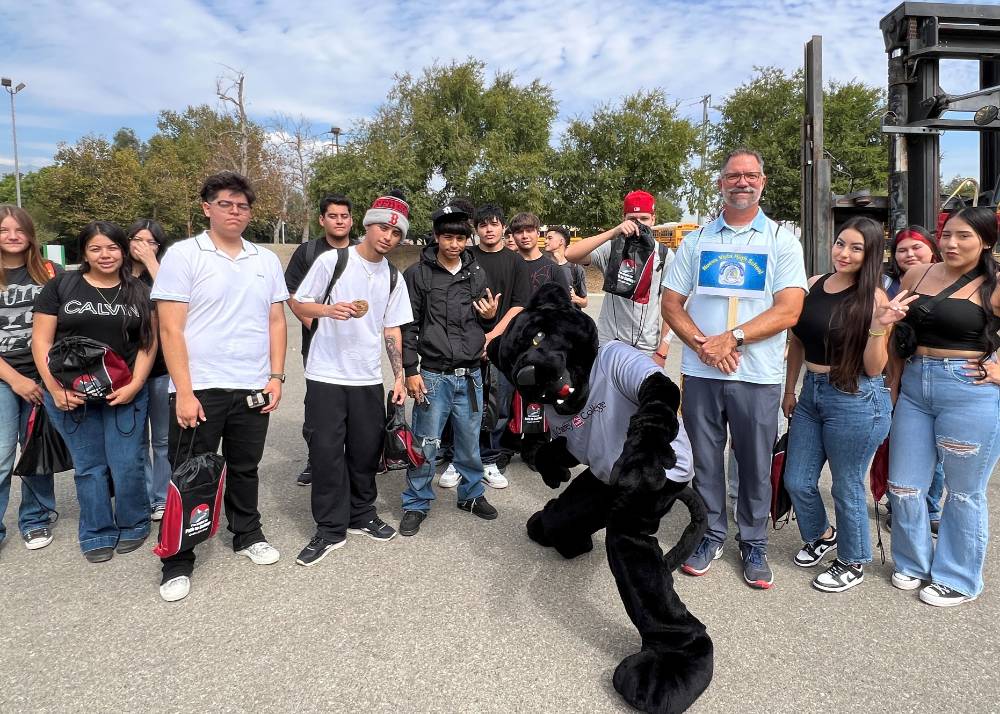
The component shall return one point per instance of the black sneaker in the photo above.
(317, 549)
(935, 525)
(756, 572)
(306, 477)
(127, 546)
(812, 553)
(99, 555)
(376, 529)
(479, 507)
(943, 596)
(840, 576)
(411, 522)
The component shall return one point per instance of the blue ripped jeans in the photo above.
(446, 394)
(830, 425)
(942, 415)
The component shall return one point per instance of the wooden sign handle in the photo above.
(734, 304)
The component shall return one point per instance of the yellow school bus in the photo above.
(671, 234)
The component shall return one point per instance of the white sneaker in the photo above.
(158, 511)
(493, 477)
(176, 588)
(450, 477)
(905, 582)
(261, 553)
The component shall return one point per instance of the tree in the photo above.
(448, 133)
(90, 180)
(640, 144)
(298, 149)
(765, 114)
(125, 138)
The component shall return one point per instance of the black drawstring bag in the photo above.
(399, 452)
(781, 502)
(630, 266)
(89, 367)
(44, 451)
(194, 502)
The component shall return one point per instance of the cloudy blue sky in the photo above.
(94, 66)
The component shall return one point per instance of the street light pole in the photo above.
(335, 130)
(11, 90)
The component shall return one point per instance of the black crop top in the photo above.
(953, 324)
(814, 329)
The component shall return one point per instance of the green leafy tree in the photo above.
(765, 114)
(641, 143)
(447, 133)
(90, 180)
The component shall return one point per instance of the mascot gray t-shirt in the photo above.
(596, 435)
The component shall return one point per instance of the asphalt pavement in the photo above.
(468, 616)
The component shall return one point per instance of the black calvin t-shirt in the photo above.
(506, 274)
(17, 306)
(81, 310)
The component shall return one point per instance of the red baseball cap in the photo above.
(639, 202)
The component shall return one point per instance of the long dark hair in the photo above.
(983, 221)
(910, 232)
(854, 314)
(155, 230)
(134, 293)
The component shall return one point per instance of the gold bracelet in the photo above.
(876, 334)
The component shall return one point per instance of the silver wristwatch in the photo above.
(738, 334)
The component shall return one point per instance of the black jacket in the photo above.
(446, 332)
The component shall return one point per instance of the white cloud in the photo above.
(93, 64)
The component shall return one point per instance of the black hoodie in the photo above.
(446, 332)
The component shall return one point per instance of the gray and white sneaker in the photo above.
(840, 576)
(261, 553)
(450, 477)
(37, 538)
(942, 596)
(493, 478)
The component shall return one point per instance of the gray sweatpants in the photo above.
(750, 411)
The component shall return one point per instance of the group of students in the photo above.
(202, 329)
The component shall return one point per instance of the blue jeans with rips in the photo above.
(942, 415)
(106, 443)
(38, 491)
(844, 429)
(447, 394)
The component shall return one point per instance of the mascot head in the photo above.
(548, 350)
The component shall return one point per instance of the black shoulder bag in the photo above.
(904, 336)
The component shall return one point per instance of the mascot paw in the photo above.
(552, 460)
(661, 681)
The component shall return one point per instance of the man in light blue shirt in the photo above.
(734, 368)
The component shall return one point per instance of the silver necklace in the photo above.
(106, 301)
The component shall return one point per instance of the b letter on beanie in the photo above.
(390, 210)
(639, 202)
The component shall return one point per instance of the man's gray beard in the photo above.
(751, 198)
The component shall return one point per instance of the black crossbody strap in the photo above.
(927, 308)
(337, 272)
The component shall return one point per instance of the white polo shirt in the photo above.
(229, 303)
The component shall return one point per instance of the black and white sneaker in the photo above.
(317, 549)
(479, 507)
(840, 576)
(376, 529)
(812, 553)
(37, 538)
(306, 477)
(942, 596)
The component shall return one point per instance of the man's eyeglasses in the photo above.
(750, 176)
(150, 243)
(228, 206)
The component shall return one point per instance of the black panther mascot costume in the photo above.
(614, 410)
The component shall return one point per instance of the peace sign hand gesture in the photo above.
(889, 313)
